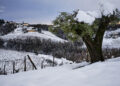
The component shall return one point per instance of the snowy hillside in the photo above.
(7, 57)
(98, 74)
(18, 33)
(112, 39)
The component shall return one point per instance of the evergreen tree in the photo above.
(1, 22)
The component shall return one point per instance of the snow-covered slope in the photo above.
(7, 57)
(112, 39)
(11, 55)
(43, 35)
(98, 74)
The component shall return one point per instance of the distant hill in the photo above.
(41, 26)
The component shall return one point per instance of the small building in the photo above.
(32, 31)
(118, 23)
(25, 24)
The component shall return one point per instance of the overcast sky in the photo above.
(44, 11)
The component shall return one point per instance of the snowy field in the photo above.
(7, 57)
(98, 74)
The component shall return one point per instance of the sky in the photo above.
(45, 11)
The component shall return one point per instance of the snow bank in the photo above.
(97, 74)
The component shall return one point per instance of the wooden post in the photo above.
(25, 67)
(53, 61)
(42, 63)
(13, 67)
(42, 66)
(32, 62)
(5, 70)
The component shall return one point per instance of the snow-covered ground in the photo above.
(7, 57)
(109, 42)
(17, 33)
(98, 74)
(15, 55)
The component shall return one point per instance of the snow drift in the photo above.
(98, 74)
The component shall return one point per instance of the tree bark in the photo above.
(94, 46)
(94, 49)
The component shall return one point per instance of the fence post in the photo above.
(13, 67)
(42, 63)
(42, 66)
(5, 70)
(53, 61)
(32, 62)
(25, 67)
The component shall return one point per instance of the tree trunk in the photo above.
(94, 46)
(94, 49)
